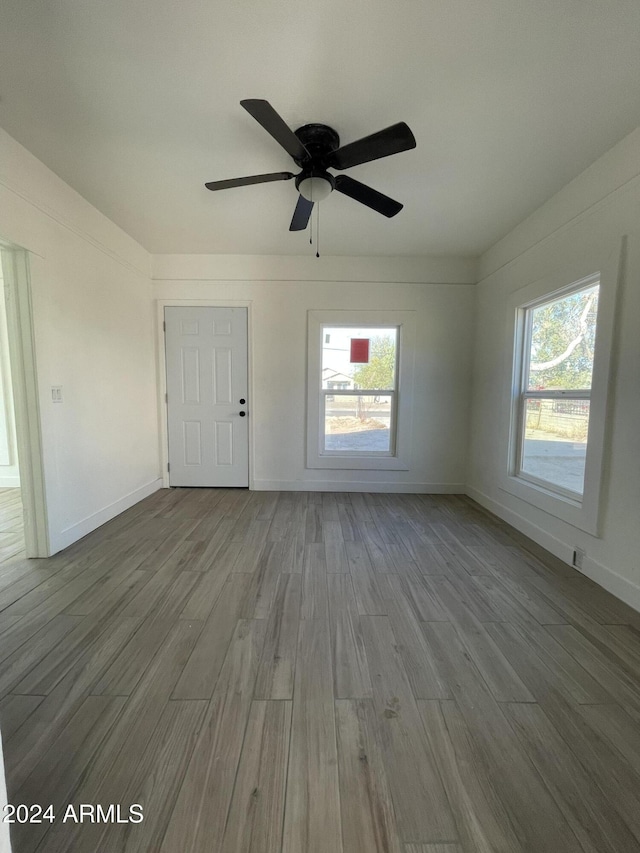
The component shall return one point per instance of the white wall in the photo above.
(281, 290)
(93, 319)
(9, 472)
(578, 226)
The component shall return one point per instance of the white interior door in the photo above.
(207, 384)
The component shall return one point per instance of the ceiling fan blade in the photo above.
(391, 140)
(301, 214)
(366, 195)
(264, 113)
(251, 179)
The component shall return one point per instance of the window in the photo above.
(359, 389)
(557, 388)
(557, 369)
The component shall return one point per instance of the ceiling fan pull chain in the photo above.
(318, 232)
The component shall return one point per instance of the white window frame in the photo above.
(396, 459)
(325, 393)
(581, 511)
(525, 318)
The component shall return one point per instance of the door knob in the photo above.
(242, 401)
(242, 414)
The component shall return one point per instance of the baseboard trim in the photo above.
(358, 486)
(621, 587)
(71, 534)
(538, 534)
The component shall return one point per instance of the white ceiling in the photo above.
(135, 103)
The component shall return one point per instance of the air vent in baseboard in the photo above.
(578, 558)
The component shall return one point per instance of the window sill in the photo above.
(574, 512)
(354, 463)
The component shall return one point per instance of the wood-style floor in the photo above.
(318, 673)
(11, 525)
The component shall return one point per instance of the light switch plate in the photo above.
(56, 393)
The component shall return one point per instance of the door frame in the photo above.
(163, 424)
(22, 355)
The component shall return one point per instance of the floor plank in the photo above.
(121, 753)
(257, 808)
(36, 655)
(368, 818)
(63, 764)
(11, 526)
(315, 601)
(14, 710)
(278, 661)
(157, 779)
(433, 848)
(571, 785)
(312, 820)
(423, 675)
(482, 822)
(618, 728)
(23, 752)
(518, 785)
(420, 803)
(200, 675)
(350, 668)
(197, 822)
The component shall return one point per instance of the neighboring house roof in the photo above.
(331, 375)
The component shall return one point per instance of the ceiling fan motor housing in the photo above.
(320, 141)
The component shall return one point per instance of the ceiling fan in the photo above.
(315, 148)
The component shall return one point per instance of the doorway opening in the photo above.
(11, 510)
(23, 517)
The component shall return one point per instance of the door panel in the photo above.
(206, 351)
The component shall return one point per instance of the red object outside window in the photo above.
(359, 351)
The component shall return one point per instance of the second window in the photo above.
(358, 390)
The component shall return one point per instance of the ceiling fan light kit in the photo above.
(315, 148)
(316, 186)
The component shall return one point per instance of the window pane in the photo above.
(339, 372)
(358, 423)
(562, 339)
(555, 442)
